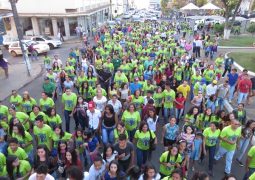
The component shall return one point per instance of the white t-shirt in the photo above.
(48, 177)
(94, 118)
(156, 178)
(100, 103)
(152, 125)
(116, 106)
(211, 90)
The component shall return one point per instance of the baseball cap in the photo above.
(215, 82)
(91, 105)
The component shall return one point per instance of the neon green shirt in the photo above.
(211, 137)
(43, 135)
(169, 97)
(24, 140)
(143, 139)
(46, 104)
(251, 154)
(55, 138)
(69, 101)
(173, 160)
(228, 133)
(52, 121)
(20, 153)
(131, 121)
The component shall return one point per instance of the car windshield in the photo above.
(47, 38)
(28, 43)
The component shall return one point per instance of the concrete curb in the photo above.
(233, 47)
(27, 83)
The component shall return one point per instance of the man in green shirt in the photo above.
(229, 137)
(250, 163)
(69, 100)
(168, 101)
(48, 87)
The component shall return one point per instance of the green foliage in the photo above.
(251, 28)
(218, 28)
(200, 3)
(163, 4)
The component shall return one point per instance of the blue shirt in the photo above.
(171, 131)
(134, 86)
(232, 79)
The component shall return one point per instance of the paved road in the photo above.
(35, 91)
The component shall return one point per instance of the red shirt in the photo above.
(181, 101)
(245, 85)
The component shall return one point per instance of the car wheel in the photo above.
(51, 46)
(13, 53)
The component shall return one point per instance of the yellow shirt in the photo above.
(184, 90)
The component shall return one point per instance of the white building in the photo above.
(119, 7)
(51, 16)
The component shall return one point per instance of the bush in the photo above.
(251, 28)
(218, 28)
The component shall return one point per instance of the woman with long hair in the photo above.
(114, 172)
(86, 91)
(72, 159)
(42, 156)
(79, 113)
(150, 173)
(27, 103)
(22, 117)
(52, 118)
(143, 138)
(108, 124)
(17, 169)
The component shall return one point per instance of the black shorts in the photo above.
(168, 142)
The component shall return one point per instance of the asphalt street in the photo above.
(35, 89)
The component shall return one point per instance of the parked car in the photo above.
(126, 16)
(7, 40)
(15, 49)
(53, 43)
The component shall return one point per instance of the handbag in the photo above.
(152, 142)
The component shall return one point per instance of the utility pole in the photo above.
(110, 10)
(20, 35)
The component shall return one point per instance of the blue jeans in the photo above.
(67, 119)
(131, 134)
(243, 145)
(178, 114)
(3, 147)
(107, 135)
(221, 103)
(168, 112)
(31, 156)
(241, 97)
(211, 150)
(229, 156)
(231, 93)
(142, 156)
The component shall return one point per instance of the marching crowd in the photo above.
(143, 84)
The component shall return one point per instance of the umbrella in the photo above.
(190, 6)
(209, 6)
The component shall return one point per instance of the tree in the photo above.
(200, 3)
(163, 4)
(179, 3)
(251, 29)
(231, 8)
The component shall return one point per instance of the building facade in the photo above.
(48, 17)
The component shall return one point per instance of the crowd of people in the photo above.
(141, 85)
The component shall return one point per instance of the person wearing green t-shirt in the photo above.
(52, 118)
(211, 135)
(168, 101)
(36, 112)
(15, 99)
(21, 116)
(42, 132)
(60, 135)
(2, 165)
(25, 140)
(120, 78)
(158, 97)
(69, 100)
(46, 102)
(143, 136)
(18, 169)
(47, 61)
(229, 137)
(14, 149)
(131, 119)
(3, 111)
(169, 160)
(205, 118)
(250, 163)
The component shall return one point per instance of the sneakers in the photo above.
(239, 162)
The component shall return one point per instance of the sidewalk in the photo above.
(18, 78)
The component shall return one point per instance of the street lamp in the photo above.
(20, 35)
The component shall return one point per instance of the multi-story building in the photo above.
(52, 16)
(119, 7)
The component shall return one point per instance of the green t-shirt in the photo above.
(20, 153)
(46, 104)
(28, 105)
(69, 101)
(16, 101)
(52, 121)
(158, 99)
(116, 134)
(21, 116)
(251, 154)
(24, 140)
(143, 139)
(209, 75)
(194, 79)
(3, 171)
(204, 121)
(46, 60)
(55, 138)
(3, 112)
(211, 137)
(43, 134)
(120, 79)
(178, 73)
(92, 82)
(131, 121)
(138, 102)
(32, 116)
(24, 168)
(116, 63)
(173, 160)
(80, 80)
(228, 133)
(169, 97)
